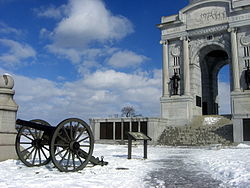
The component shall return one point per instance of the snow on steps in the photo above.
(204, 130)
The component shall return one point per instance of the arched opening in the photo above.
(224, 90)
(214, 58)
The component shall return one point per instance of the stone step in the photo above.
(196, 136)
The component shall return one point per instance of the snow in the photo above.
(211, 120)
(243, 146)
(230, 165)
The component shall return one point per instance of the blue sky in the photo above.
(83, 58)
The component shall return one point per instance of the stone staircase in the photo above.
(197, 136)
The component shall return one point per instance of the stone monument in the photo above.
(8, 109)
(197, 42)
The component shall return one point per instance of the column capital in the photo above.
(164, 42)
(185, 38)
(232, 29)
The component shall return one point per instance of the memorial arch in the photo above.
(212, 58)
(197, 43)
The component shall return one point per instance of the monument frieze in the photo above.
(208, 30)
(206, 16)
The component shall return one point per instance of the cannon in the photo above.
(69, 145)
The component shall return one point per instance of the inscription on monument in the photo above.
(206, 16)
(212, 15)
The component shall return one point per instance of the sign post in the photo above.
(137, 136)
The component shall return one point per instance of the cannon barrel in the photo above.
(37, 126)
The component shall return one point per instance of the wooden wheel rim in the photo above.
(31, 152)
(69, 134)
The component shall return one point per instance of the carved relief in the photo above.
(245, 40)
(208, 30)
(175, 51)
(206, 16)
(194, 45)
(212, 15)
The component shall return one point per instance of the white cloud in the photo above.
(5, 29)
(73, 55)
(122, 59)
(86, 22)
(224, 98)
(107, 93)
(51, 12)
(16, 52)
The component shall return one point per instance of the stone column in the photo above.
(235, 60)
(8, 110)
(122, 131)
(165, 71)
(113, 130)
(130, 125)
(139, 125)
(186, 65)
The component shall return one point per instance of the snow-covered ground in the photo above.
(229, 165)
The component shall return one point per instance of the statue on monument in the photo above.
(175, 83)
(247, 77)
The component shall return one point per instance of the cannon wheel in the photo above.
(30, 146)
(71, 145)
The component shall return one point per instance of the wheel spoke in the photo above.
(33, 162)
(44, 154)
(78, 124)
(61, 151)
(31, 133)
(67, 153)
(66, 133)
(39, 155)
(27, 137)
(85, 146)
(26, 149)
(63, 157)
(25, 142)
(73, 158)
(84, 129)
(62, 145)
(45, 148)
(83, 139)
(79, 158)
(68, 162)
(63, 138)
(30, 154)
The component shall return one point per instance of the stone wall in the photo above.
(197, 136)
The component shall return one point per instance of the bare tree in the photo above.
(128, 111)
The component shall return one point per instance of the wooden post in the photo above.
(145, 149)
(129, 147)
(138, 136)
(114, 131)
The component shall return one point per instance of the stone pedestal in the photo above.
(241, 111)
(8, 109)
(177, 109)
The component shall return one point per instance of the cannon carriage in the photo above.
(69, 145)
